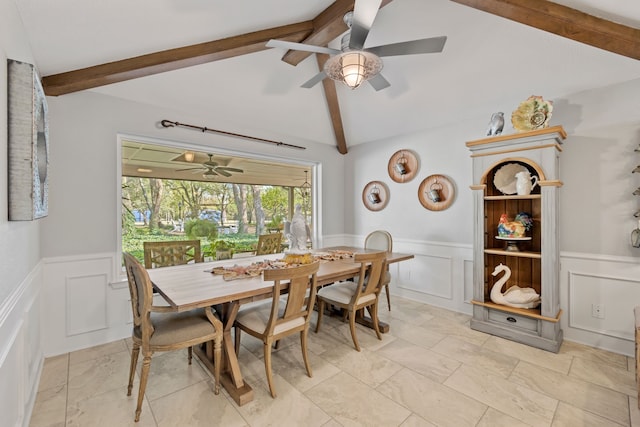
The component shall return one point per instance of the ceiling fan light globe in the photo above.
(209, 175)
(353, 67)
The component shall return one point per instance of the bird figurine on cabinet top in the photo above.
(515, 296)
(496, 124)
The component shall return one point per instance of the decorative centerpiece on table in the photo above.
(296, 234)
(514, 231)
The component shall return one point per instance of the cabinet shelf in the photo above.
(529, 197)
(522, 254)
(533, 313)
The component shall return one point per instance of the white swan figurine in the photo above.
(515, 296)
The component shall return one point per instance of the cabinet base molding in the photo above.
(512, 324)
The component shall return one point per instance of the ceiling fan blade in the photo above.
(301, 46)
(190, 169)
(314, 80)
(430, 45)
(223, 173)
(378, 82)
(364, 13)
(228, 169)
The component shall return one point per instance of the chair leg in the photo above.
(352, 326)
(373, 312)
(146, 364)
(132, 370)
(217, 361)
(320, 303)
(305, 354)
(386, 287)
(267, 367)
(190, 354)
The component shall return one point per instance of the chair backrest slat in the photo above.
(299, 302)
(176, 252)
(379, 239)
(373, 264)
(141, 291)
(269, 243)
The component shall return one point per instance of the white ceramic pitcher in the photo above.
(524, 183)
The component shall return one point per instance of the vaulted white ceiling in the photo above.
(488, 64)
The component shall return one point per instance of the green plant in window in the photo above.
(201, 229)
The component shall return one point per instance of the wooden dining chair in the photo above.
(176, 252)
(355, 296)
(274, 319)
(164, 329)
(269, 243)
(381, 240)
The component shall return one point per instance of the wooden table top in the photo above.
(191, 286)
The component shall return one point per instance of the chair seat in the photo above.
(342, 292)
(171, 328)
(256, 317)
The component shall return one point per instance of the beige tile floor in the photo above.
(431, 369)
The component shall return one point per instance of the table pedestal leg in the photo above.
(230, 375)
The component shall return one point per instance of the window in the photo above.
(174, 192)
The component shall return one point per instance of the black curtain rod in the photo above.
(170, 124)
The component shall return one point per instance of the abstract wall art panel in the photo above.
(28, 141)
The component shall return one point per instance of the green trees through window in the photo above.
(162, 209)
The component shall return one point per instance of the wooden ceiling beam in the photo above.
(172, 59)
(566, 22)
(331, 96)
(327, 26)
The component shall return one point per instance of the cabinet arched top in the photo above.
(487, 176)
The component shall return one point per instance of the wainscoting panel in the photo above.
(21, 354)
(439, 274)
(86, 301)
(33, 342)
(611, 282)
(430, 275)
(93, 302)
(616, 303)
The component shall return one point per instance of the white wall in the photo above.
(21, 350)
(83, 129)
(19, 246)
(79, 239)
(599, 266)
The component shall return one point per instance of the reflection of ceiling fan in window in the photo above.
(354, 64)
(212, 169)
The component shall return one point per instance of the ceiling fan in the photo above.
(212, 169)
(353, 64)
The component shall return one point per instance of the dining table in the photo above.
(191, 286)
